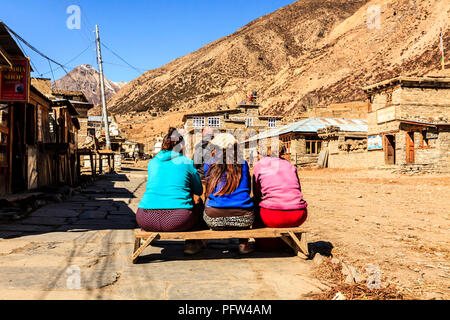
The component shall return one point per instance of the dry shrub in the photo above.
(360, 291)
(329, 271)
(332, 272)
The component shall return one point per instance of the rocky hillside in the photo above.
(310, 53)
(87, 79)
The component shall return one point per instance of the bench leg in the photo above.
(302, 246)
(303, 243)
(137, 244)
(138, 248)
(291, 243)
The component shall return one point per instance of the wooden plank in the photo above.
(210, 234)
(137, 253)
(303, 243)
(299, 245)
(105, 152)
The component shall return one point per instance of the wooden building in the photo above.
(38, 135)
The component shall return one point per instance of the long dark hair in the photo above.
(173, 139)
(225, 167)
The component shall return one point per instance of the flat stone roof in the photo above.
(425, 82)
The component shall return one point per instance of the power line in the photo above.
(53, 76)
(136, 69)
(31, 61)
(121, 65)
(83, 32)
(41, 54)
(90, 25)
(71, 60)
(33, 48)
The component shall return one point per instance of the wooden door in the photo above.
(389, 149)
(410, 152)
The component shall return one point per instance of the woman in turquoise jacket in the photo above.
(167, 205)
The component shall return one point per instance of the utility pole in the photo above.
(102, 88)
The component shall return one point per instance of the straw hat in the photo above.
(224, 140)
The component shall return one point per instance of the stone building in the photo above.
(408, 123)
(343, 149)
(301, 138)
(243, 121)
(243, 116)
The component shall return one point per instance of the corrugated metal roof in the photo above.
(311, 125)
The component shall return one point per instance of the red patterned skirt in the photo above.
(169, 220)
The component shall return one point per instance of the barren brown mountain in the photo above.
(85, 78)
(310, 53)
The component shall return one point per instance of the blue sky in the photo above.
(146, 33)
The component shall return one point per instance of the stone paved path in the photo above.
(90, 238)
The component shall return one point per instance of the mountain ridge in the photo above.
(86, 78)
(310, 53)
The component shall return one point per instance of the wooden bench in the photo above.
(294, 237)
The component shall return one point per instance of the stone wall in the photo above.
(437, 154)
(356, 160)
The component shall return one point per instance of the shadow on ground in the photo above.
(102, 206)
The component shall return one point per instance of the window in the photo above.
(389, 98)
(214, 122)
(313, 147)
(199, 122)
(287, 143)
(425, 137)
(248, 122)
(272, 123)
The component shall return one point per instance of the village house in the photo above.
(301, 139)
(244, 120)
(409, 122)
(81, 104)
(132, 149)
(244, 116)
(38, 134)
(408, 128)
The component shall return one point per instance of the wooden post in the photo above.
(91, 157)
(113, 163)
(78, 166)
(100, 164)
(11, 149)
(109, 164)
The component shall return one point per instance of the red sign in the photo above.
(15, 81)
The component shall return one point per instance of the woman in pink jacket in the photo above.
(276, 187)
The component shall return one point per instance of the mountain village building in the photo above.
(244, 116)
(301, 138)
(38, 132)
(409, 122)
(244, 120)
(408, 128)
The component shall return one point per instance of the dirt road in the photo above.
(80, 249)
(399, 223)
